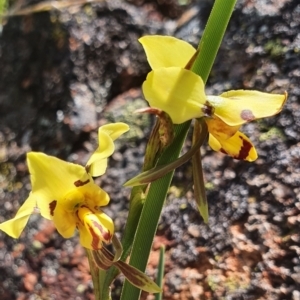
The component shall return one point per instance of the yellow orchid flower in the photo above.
(66, 193)
(180, 92)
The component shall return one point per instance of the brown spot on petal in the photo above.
(87, 168)
(52, 206)
(247, 115)
(244, 152)
(96, 239)
(77, 215)
(79, 183)
(223, 151)
(106, 234)
(207, 109)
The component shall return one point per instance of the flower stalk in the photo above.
(156, 195)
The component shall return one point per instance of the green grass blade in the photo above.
(161, 271)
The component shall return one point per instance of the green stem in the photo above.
(151, 213)
(209, 45)
(135, 208)
(160, 271)
(212, 37)
(97, 276)
(199, 187)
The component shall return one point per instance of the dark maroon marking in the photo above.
(191, 61)
(77, 215)
(247, 115)
(87, 168)
(223, 151)
(244, 152)
(207, 109)
(106, 234)
(95, 240)
(100, 260)
(79, 183)
(52, 206)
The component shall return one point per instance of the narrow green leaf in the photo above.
(135, 276)
(138, 278)
(137, 199)
(160, 171)
(161, 271)
(199, 187)
(212, 37)
(151, 212)
(117, 247)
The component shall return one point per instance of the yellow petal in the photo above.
(178, 92)
(238, 146)
(94, 196)
(64, 221)
(114, 130)
(52, 178)
(97, 163)
(219, 129)
(241, 106)
(166, 51)
(214, 143)
(94, 228)
(15, 226)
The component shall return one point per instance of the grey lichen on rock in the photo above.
(125, 111)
